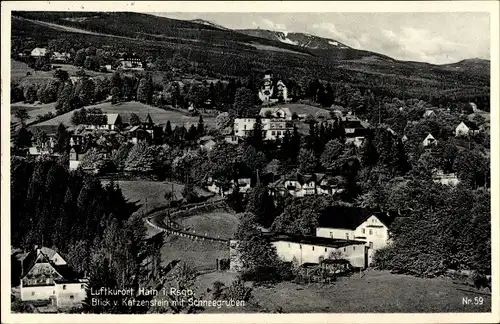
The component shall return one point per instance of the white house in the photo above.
(429, 140)
(75, 159)
(352, 223)
(61, 57)
(466, 128)
(355, 130)
(131, 62)
(273, 112)
(244, 186)
(429, 113)
(232, 139)
(207, 143)
(308, 249)
(282, 91)
(449, 179)
(39, 52)
(267, 90)
(300, 185)
(273, 128)
(50, 278)
(111, 122)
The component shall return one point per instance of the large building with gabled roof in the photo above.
(49, 278)
(356, 223)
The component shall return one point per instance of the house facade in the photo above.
(466, 129)
(429, 113)
(350, 223)
(272, 128)
(355, 130)
(39, 52)
(50, 278)
(244, 186)
(301, 185)
(429, 141)
(131, 62)
(448, 179)
(111, 122)
(75, 159)
(267, 90)
(307, 250)
(280, 113)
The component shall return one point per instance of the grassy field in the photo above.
(148, 194)
(33, 110)
(303, 109)
(125, 109)
(201, 255)
(19, 70)
(213, 224)
(376, 291)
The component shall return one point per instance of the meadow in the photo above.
(373, 291)
(19, 70)
(125, 109)
(33, 110)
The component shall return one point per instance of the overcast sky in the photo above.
(427, 37)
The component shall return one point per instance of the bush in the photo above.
(238, 291)
(217, 289)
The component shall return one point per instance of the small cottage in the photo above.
(429, 141)
(466, 128)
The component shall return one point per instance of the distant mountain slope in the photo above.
(299, 39)
(224, 53)
(320, 46)
(471, 65)
(209, 23)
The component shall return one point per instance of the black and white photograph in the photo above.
(314, 161)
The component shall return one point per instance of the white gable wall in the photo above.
(309, 253)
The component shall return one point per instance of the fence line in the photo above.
(154, 221)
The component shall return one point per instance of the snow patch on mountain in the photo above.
(333, 43)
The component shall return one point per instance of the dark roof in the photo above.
(305, 178)
(346, 217)
(309, 239)
(358, 132)
(472, 125)
(148, 120)
(353, 124)
(336, 261)
(66, 272)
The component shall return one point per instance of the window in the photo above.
(71, 297)
(325, 250)
(331, 234)
(363, 231)
(353, 248)
(82, 286)
(344, 249)
(273, 133)
(370, 232)
(346, 236)
(32, 293)
(313, 248)
(64, 287)
(371, 245)
(300, 246)
(288, 244)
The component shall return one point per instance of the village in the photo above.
(238, 183)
